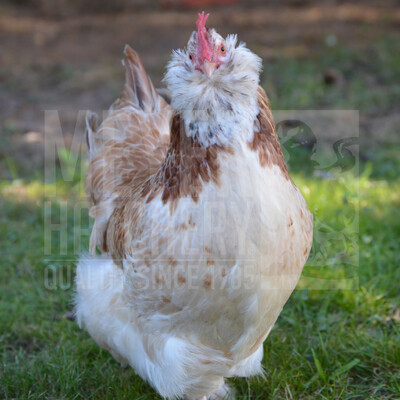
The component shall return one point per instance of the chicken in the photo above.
(203, 234)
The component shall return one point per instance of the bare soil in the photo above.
(73, 63)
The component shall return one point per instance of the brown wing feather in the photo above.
(183, 172)
(128, 147)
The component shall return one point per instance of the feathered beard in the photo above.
(221, 108)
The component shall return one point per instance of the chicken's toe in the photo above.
(225, 392)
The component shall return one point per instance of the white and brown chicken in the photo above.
(203, 234)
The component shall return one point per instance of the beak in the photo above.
(208, 67)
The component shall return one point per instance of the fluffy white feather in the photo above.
(208, 234)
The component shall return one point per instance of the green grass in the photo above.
(338, 337)
(367, 79)
(327, 343)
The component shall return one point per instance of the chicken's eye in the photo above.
(190, 57)
(222, 49)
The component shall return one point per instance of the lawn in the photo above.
(338, 337)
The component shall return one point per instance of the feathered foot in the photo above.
(225, 392)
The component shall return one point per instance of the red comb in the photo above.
(204, 50)
(201, 22)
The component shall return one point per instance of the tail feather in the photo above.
(127, 147)
(91, 121)
(138, 90)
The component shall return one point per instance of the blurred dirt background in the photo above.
(65, 55)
